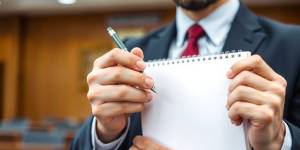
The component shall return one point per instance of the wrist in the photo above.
(280, 138)
(105, 135)
(277, 142)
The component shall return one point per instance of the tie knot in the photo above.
(195, 31)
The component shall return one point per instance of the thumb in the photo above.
(138, 52)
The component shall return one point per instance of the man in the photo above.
(265, 87)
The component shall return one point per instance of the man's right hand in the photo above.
(117, 88)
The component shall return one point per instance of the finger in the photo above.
(120, 75)
(247, 94)
(258, 115)
(113, 109)
(133, 148)
(254, 64)
(142, 142)
(250, 79)
(138, 52)
(118, 93)
(119, 57)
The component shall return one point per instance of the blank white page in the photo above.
(188, 112)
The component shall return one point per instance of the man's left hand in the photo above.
(257, 94)
(145, 143)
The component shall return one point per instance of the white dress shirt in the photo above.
(216, 27)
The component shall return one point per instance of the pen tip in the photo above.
(153, 89)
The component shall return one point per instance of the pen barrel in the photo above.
(116, 38)
(119, 43)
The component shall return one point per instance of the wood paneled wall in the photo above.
(9, 55)
(51, 68)
(50, 80)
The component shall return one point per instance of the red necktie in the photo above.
(194, 33)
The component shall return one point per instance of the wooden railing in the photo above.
(10, 141)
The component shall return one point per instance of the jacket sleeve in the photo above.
(83, 138)
(135, 129)
(293, 116)
(295, 132)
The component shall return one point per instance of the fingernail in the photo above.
(149, 82)
(141, 65)
(149, 96)
(229, 74)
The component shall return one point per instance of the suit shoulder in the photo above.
(143, 41)
(284, 36)
(280, 30)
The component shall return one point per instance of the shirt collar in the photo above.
(216, 25)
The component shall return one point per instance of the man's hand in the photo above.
(257, 94)
(144, 143)
(117, 88)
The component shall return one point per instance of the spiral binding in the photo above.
(191, 59)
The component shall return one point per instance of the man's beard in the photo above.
(194, 5)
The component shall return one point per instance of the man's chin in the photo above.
(194, 5)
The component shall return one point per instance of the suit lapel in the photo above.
(246, 33)
(159, 46)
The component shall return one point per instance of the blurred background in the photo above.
(47, 48)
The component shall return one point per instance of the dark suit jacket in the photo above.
(278, 44)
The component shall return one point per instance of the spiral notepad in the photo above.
(189, 109)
